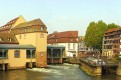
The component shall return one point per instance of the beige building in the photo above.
(29, 49)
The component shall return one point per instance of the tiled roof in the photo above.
(63, 37)
(8, 38)
(8, 26)
(111, 30)
(30, 23)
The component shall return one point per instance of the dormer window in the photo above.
(20, 31)
(41, 28)
(25, 30)
(71, 39)
(0, 39)
(9, 39)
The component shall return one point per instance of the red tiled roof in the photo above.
(8, 26)
(111, 30)
(63, 37)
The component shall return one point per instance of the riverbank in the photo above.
(73, 60)
(86, 71)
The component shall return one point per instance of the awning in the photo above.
(55, 47)
(16, 46)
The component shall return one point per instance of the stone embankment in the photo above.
(73, 60)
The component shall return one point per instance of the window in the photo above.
(16, 54)
(33, 54)
(68, 45)
(25, 30)
(0, 39)
(74, 45)
(20, 31)
(71, 39)
(9, 39)
(0, 53)
(41, 35)
(28, 54)
(41, 28)
(5, 54)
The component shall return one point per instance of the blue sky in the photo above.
(62, 15)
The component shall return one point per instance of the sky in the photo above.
(62, 15)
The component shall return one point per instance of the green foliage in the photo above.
(112, 25)
(95, 32)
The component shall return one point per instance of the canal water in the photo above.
(54, 72)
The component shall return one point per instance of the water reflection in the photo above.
(54, 72)
(21, 75)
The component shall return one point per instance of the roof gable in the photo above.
(30, 23)
(8, 25)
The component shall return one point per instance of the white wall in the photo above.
(68, 50)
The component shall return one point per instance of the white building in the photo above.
(69, 39)
(82, 48)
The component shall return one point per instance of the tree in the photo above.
(90, 35)
(112, 25)
(95, 32)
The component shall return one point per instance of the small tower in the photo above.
(35, 33)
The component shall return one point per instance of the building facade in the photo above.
(82, 48)
(13, 55)
(111, 43)
(35, 33)
(25, 43)
(69, 39)
(55, 54)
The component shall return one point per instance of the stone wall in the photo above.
(41, 59)
(95, 70)
(73, 60)
(118, 72)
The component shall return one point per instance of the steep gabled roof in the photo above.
(8, 25)
(30, 23)
(8, 38)
(63, 37)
